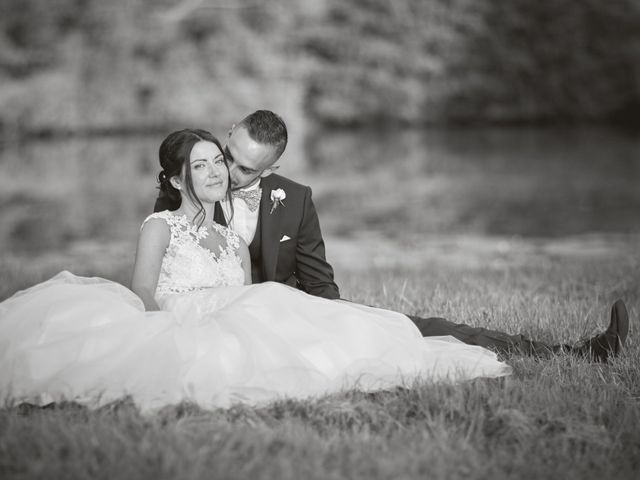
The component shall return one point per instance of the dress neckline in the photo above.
(200, 233)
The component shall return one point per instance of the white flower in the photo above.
(277, 197)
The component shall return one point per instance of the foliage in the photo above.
(83, 66)
(123, 67)
(30, 33)
(472, 61)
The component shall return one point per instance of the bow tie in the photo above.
(250, 197)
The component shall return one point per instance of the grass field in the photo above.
(556, 418)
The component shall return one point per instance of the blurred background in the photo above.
(468, 131)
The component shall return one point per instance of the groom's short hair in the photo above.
(266, 127)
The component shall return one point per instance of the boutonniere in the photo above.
(277, 197)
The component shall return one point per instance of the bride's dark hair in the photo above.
(174, 154)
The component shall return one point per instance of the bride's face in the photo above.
(209, 173)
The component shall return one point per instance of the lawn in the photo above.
(555, 418)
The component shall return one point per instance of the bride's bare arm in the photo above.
(243, 252)
(152, 243)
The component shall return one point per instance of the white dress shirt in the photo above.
(244, 221)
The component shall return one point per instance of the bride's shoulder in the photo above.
(155, 232)
(158, 221)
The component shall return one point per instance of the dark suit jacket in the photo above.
(299, 261)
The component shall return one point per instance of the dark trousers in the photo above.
(492, 339)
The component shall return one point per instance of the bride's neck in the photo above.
(193, 213)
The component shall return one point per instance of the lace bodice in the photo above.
(187, 265)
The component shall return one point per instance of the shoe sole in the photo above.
(620, 324)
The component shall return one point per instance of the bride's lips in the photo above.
(215, 184)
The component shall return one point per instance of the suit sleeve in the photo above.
(313, 272)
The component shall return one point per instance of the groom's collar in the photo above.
(265, 182)
(255, 186)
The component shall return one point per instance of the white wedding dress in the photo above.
(216, 342)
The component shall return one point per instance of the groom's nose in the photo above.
(232, 172)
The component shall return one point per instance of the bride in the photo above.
(193, 328)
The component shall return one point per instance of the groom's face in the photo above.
(248, 160)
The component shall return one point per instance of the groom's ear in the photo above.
(231, 130)
(268, 171)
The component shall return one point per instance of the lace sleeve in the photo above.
(163, 215)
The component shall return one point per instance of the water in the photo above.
(530, 183)
(495, 182)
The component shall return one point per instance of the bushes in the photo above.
(475, 61)
(123, 65)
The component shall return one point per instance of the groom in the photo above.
(277, 219)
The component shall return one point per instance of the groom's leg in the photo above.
(492, 339)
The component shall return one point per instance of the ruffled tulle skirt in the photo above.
(89, 340)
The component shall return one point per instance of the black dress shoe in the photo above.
(609, 343)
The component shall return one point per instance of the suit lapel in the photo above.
(218, 215)
(270, 225)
